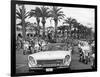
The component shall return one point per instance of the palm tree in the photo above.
(36, 13)
(40, 12)
(22, 15)
(62, 29)
(71, 22)
(45, 13)
(56, 15)
(50, 33)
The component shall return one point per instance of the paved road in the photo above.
(75, 65)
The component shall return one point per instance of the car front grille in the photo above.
(50, 62)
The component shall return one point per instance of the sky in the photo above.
(84, 16)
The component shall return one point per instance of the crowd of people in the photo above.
(87, 52)
(30, 45)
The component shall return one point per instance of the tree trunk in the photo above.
(43, 22)
(38, 21)
(23, 24)
(63, 31)
(70, 30)
(56, 22)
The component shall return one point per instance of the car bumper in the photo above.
(48, 69)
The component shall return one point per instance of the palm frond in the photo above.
(32, 13)
(18, 15)
(60, 12)
(56, 13)
(58, 9)
(62, 15)
(35, 12)
(38, 12)
(20, 11)
(20, 23)
(26, 14)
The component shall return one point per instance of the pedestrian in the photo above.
(25, 46)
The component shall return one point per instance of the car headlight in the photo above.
(31, 60)
(66, 59)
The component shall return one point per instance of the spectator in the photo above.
(26, 45)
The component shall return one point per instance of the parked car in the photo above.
(49, 60)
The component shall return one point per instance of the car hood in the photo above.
(50, 55)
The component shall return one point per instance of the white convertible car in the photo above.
(49, 60)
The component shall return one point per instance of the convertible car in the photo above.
(49, 60)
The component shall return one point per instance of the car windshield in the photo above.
(58, 46)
